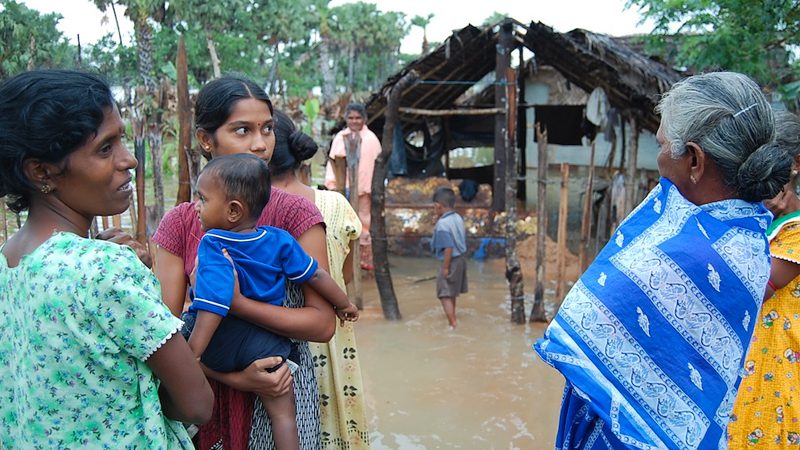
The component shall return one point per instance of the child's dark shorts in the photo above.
(237, 343)
(456, 281)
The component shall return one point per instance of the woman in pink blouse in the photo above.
(234, 115)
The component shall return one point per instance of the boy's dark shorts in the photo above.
(237, 343)
(456, 281)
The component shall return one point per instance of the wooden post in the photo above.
(380, 245)
(116, 221)
(513, 268)
(586, 219)
(105, 222)
(563, 211)
(352, 146)
(138, 150)
(502, 63)
(339, 166)
(184, 127)
(630, 176)
(537, 312)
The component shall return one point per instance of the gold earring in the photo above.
(46, 189)
(694, 180)
(794, 173)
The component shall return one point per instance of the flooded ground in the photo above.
(478, 387)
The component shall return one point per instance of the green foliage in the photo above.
(753, 37)
(29, 39)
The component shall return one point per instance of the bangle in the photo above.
(772, 285)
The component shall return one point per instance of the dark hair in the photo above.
(357, 107)
(245, 177)
(217, 98)
(445, 197)
(47, 115)
(292, 146)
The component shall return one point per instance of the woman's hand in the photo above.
(256, 379)
(121, 237)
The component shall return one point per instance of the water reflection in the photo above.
(478, 387)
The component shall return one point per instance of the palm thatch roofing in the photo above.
(632, 81)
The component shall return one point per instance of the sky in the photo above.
(601, 16)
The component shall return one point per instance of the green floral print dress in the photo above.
(78, 320)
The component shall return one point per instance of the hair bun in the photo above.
(302, 146)
(764, 173)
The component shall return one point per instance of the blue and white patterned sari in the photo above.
(651, 338)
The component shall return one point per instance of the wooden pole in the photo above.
(630, 176)
(586, 219)
(105, 222)
(339, 166)
(513, 268)
(5, 218)
(537, 312)
(184, 126)
(352, 146)
(116, 221)
(561, 255)
(138, 149)
(380, 246)
(505, 42)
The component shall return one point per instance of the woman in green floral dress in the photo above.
(91, 357)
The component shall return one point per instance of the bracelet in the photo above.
(772, 285)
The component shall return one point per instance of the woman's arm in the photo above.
(170, 273)
(782, 273)
(256, 379)
(315, 321)
(347, 267)
(184, 392)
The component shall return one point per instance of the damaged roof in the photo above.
(632, 81)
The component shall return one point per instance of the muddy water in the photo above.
(477, 387)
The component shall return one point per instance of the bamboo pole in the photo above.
(561, 255)
(537, 312)
(586, 219)
(352, 146)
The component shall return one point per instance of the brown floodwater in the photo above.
(480, 386)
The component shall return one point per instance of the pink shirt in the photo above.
(180, 231)
(370, 149)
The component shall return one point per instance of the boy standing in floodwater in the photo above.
(449, 244)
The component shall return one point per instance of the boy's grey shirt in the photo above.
(449, 233)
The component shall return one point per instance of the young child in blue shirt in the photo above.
(449, 243)
(233, 191)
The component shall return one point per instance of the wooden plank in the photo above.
(563, 211)
(352, 147)
(537, 312)
(586, 219)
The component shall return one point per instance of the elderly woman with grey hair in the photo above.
(651, 338)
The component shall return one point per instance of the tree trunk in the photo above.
(157, 151)
(380, 247)
(185, 171)
(212, 50)
(273, 71)
(351, 66)
(537, 312)
(352, 145)
(328, 75)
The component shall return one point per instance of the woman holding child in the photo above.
(234, 115)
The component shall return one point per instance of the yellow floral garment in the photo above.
(341, 390)
(767, 409)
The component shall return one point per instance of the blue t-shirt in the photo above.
(263, 260)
